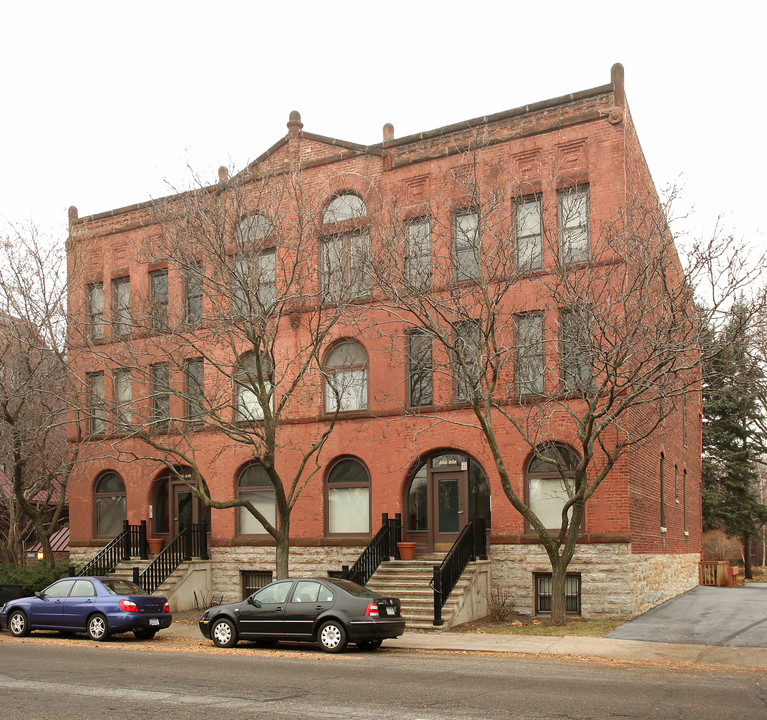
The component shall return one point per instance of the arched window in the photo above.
(253, 376)
(109, 502)
(345, 251)
(549, 482)
(345, 206)
(254, 485)
(346, 378)
(348, 498)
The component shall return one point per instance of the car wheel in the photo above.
(332, 637)
(98, 628)
(144, 633)
(223, 633)
(369, 644)
(17, 624)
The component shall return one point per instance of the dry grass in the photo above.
(521, 625)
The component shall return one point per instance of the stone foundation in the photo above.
(614, 582)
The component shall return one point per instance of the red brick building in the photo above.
(368, 239)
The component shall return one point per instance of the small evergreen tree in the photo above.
(732, 437)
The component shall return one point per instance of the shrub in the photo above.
(501, 603)
(32, 578)
(718, 545)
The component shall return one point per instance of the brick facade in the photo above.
(627, 562)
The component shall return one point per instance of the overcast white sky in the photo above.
(104, 103)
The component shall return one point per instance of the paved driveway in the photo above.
(705, 616)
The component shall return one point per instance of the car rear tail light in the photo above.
(128, 606)
(372, 610)
(166, 607)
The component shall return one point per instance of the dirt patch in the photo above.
(526, 625)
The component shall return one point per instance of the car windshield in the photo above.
(352, 588)
(122, 587)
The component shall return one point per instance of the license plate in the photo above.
(390, 610)
(154, 621)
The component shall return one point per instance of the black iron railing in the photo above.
(382, 547)
(191, 542)
(131, 542)
(471, 543)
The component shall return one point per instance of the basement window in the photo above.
(543, 585)
(252, 580)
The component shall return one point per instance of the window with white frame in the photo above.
(95, 302)
(348, 498)
(345, 250)
(121, 319)
(194, 389)
(158, 300)
(467, 360)
(529, 354)
(253, 387)
(160, 380)
(466, 245)
(96, 403)
(575, 350)
(528, 233)
(550, 479)
(110, 505)
(419, 368)
(254, 485)
(346, 378)
(123, 397)
(193, 294)
(418, 254)
(574, 225)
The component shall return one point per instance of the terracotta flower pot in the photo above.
(406, 550)
(155, 545)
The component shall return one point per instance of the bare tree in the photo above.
(238, 358)
(36, 391)
(562, 329)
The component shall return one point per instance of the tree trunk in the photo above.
(282, 550)
(558, 608)
(747, 558)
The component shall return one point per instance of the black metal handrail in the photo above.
(382, 547)
(470, 544)
(191, 542)
(131, 542)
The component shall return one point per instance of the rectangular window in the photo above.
(530, 355)
(543, 582)
(574, 225)
(466, 245)
(160, 396)
(95, 295)
(528, 232)
(662, 475)
(253, 580)
(123, 395)
(468, 360)
(96, 403)
(194, 389)
(419, 369)
(267, 280)
(418, 254)
(193, 293)
(121, 320)
(346, 267)
(158, 300)
(576, 352)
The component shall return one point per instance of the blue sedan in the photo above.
(98, 606)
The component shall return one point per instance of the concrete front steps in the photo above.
(409, 581)
(187, 588)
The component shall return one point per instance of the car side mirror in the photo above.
(39, 594)
(255, 603)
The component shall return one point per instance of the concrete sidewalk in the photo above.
(568, 646)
